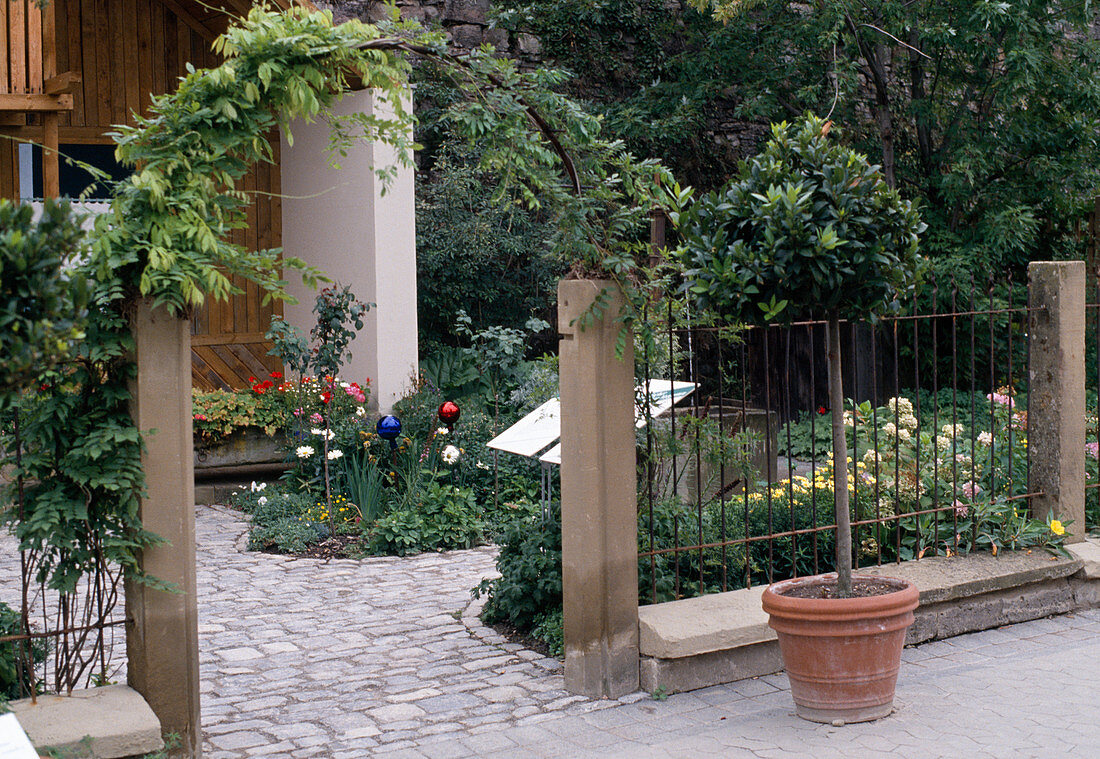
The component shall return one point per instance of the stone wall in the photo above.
(465, 21)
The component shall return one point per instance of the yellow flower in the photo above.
(1056, 527)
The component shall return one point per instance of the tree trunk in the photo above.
(840, 463)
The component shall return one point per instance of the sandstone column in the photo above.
(162, 644)
(1056, 394)
(598, 497)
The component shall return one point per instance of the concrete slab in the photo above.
(942, 579)
(695, 626)
(1088, 552)
(105, 723)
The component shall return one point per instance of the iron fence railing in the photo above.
(736, 483)
(51, 640)
(1092, 403)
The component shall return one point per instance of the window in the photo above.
(74, 178)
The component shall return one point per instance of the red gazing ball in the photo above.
(449, 413)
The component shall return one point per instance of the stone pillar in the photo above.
(1056, 394)
(162, 639)
(598, 498)
(339, 221)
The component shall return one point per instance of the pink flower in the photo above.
(316, 418)
(961, 509)
(299, 411)
(356, 392)
(199, 418)
(970, 490)
(1002, 400)
(1093, 449)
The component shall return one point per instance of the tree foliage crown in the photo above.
(807, 225)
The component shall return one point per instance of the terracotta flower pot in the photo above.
(841, 654)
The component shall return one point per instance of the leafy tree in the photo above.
(988, 112)
(41, 306)
(807, 226)
(476, 255)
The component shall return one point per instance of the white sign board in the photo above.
(14, 743)
(542, 427)
(662, 395)
(552, 456)
(533, 432)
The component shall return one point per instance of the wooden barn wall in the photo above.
(126, 51)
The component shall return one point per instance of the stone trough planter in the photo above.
(244, 452)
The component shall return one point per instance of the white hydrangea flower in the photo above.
(450, 454)
(900, 406)
(903, 435)
(985, 438)
(304, 451)
(908, 421)
(334, 454)
(890, 429)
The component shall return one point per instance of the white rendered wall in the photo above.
(339, 221)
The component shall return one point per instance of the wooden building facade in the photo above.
(71, 70)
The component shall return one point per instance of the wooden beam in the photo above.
(62, 83)
(67, 135)
(51, 168)
(5, 65)
(35, 102)
(186, 17)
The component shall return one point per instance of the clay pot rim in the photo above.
(904, 599)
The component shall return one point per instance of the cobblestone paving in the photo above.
(306, 658)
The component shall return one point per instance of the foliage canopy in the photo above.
(808, 225)
(987, 113)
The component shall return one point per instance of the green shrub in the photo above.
(12, 686)
(281, 518)
(40, 308)
(445, 517)
(529, 563)
(550, 629)
(284, 535)
(476, 255)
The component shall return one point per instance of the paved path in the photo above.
(302, 658)
(366, 658)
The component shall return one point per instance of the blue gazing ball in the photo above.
(388, 428)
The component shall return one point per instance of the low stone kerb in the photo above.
(724, 621)
(115, 720)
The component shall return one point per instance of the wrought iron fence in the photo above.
(1092, 402)
(736, 484)
(54, 641)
